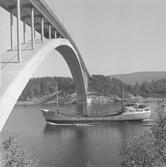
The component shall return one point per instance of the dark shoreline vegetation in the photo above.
(38, 89)
(13, 154)
(149, 149)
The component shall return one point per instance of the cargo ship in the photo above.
(130, 112)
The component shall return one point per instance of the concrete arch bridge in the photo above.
(19, 63)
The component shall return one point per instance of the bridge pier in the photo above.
(18, 32)
(24, 31)
(55, 35)
(49, 30)
(32, 28)
(42, 29)
(11, 30)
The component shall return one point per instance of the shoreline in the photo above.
(20, 103)
(35, 102)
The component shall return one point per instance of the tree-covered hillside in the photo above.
(140, 77)
(38, 87)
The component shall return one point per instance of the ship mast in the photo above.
(122, 98)
(57, 96)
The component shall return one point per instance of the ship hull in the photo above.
(52, 117)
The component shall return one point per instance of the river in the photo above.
(70, 146)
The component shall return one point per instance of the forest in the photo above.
(38, 87)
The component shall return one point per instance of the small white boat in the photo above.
(132, 112)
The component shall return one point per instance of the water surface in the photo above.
(71, 146)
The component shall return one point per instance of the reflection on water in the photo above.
(71, 146)
(97, 144)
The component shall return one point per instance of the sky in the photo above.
(113, 36)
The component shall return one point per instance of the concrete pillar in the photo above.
(32, 28)
(49, 29)
(42, 29)
(11, 30)
(24, 31)
(55, 34)
(18, 32)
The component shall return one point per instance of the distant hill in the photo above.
(139, 77)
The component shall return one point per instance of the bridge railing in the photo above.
(51, 4)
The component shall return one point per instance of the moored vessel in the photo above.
(130, 112)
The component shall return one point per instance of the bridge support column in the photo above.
(55, 36)
(18, 32)
(49, 29)
(42, 29)
(11, 30)
(32, 28)
(24, 31)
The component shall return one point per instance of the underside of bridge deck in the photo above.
(41, 10)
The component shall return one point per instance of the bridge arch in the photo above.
(21, 73)
(76, 70)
